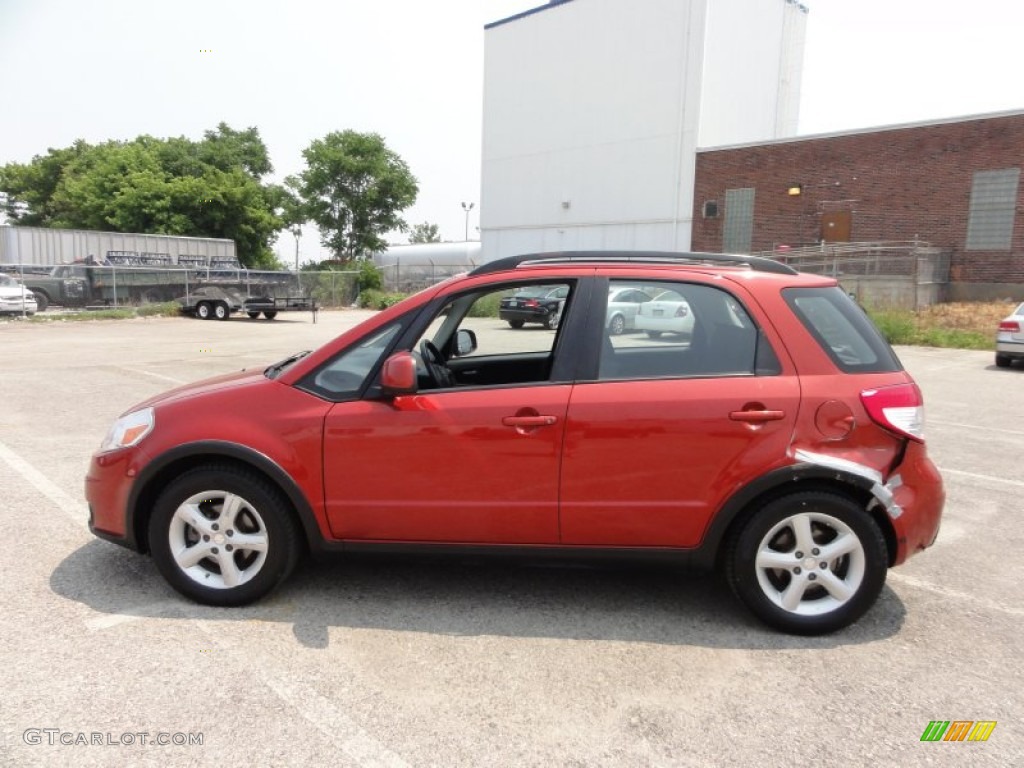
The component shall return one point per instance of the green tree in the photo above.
(176, 186)
(425, 233)
(354, 188)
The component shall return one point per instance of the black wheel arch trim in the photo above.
(214, 449)
(797, 476)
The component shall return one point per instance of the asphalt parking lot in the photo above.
(396, 663)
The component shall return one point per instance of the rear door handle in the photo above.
(529, 421)
(757, 417)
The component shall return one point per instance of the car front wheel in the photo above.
(809, 563)
(223, 536)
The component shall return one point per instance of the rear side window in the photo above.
(843, 330)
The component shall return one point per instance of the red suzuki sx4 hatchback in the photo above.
(755, 421)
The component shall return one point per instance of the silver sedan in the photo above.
(1010, 338)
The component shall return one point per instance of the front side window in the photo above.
(678, 330)
(504, 335)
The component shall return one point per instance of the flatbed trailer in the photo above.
(270, 306)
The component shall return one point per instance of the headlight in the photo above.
(128, 430)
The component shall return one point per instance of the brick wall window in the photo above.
(993, 203)
(739, 220)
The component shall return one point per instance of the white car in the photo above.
(1010, 338)
(668, 312)
(623, 305)
(15, 298)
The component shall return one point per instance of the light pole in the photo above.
(297, 232)
(467, 207)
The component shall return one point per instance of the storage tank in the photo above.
(409, 268)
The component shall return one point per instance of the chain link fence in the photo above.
(79, 285)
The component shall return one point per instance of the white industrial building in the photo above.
(594, 110)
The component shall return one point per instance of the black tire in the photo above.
(253, 315)
(856, 577)
(616, 325)
(203, 310)
(551, 321)
(1002, 361)
(42, 301)
(221, 311)
(654, 334)
(517, 324)
(270, 315)
(261, 513)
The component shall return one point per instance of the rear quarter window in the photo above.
(843, 330)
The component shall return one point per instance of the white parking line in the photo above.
(976, 476)
(75, 510)
(956, 594)
(154, 375)
(977, 427)
(321, 712)
(159, 609)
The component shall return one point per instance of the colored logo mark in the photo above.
(958, 730)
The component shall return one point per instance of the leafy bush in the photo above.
(486, 306)
(370, 277)
(376, 299)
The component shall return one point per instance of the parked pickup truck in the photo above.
(79, 285)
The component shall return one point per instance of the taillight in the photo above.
(1010, 325)
(899, 409)
(682, 311)
(531, 303)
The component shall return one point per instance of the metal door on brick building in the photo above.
(836, 226)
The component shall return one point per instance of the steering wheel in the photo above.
(438, 372)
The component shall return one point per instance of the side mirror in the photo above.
(465, 342)
(398, 376)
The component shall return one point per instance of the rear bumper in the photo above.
(525, 315)
(1010, 348)
(919, 496)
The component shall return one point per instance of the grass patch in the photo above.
(958, 325)
(165, 309)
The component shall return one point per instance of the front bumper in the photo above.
(108, 485)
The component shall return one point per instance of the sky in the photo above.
(412, 71)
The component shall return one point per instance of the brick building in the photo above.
(953, 183)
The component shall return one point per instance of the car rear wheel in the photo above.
(221, 311)
(253, 315)
(203, 310)
(1003, 361)
(270, 315)
(617, 325)
(223, 536)
(809, 563)
(516, 323)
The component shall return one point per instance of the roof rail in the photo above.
(757, 263)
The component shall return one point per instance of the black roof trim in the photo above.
(757, 263)
(530, 12)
